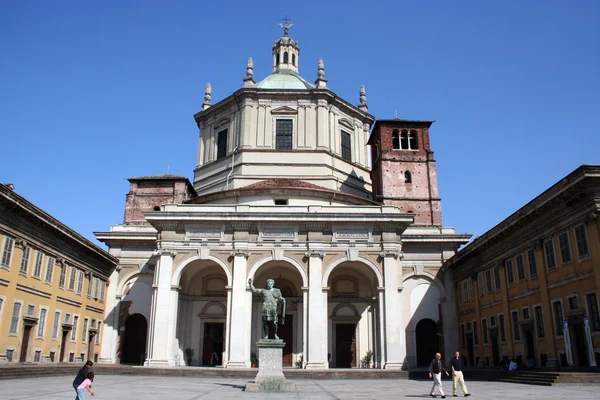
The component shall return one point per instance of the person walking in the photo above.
(86, 384)
(457, 375)
(81, 376)
(435, 371)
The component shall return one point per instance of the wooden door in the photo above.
(25, 343)
(286, 332)
(345, 345)
(63, 345)
(470, 350)
(212, 348)
(495, 348)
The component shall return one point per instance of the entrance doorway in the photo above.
(529, 342)
(345, 345)
(495, 348)
(63, 342)
(286, 332)
(134, 342)
(212, 350)
(426, 333)
(579, 346)
(25, 343)
(470, 350)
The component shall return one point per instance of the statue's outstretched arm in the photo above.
(252, 286)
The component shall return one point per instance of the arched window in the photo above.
(277, 59)
(395, 140)
(407, 177)
(404, 140)
(285, 58)
(414, 141)
(294, 60)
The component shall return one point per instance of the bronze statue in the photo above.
(272, 299)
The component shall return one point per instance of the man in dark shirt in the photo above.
(435, 372)
(457, 375)
(82, 375)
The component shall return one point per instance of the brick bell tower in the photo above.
(403, 172)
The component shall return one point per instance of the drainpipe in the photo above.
(331, 138)
(237, 140)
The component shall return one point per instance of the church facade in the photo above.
(299, 185)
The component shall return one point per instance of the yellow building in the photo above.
(528, 288)
(52, 286)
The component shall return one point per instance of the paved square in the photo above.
(180, 388)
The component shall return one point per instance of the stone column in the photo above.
(394, 333)
(238, 329)
(110, 331)
(380, 311)
(317, 313)
(160, 343)
(449, 316)
(227, 326)
(304, 325)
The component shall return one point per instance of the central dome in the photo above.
(284, 79)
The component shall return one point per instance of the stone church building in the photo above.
(293, 183)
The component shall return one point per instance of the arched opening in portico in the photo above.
(202, 314)
(290, 282)
(135, 333)
(352, 314)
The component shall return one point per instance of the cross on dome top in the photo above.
(286, 25)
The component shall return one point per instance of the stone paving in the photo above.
(183, 388)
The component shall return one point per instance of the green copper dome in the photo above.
(284, 80)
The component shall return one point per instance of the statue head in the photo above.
(270, 283)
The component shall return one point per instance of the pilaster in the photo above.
(449, 316)
(395, 336)
(110, 331)
(161, 333)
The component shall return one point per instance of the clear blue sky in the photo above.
(92, 93)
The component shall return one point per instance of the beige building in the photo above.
(52, 286)
(528, 288)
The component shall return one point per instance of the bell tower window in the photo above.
(283, 134)
(395, 140)
(407, 177)
(285, 57)
(409, 141)
(294, 60)
(413, 140)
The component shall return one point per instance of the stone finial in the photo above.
(250, 67)
(363, 99)
(249, 79)
(207, 96)
(321, 68)
(321, 82)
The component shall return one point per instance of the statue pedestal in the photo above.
(270, 377)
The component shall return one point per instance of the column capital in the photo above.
(165, 252)
(315, 253)
(20, 242)
(392, 253)
(240, 252)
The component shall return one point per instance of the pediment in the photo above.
(285, 110)
(346, 123)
